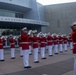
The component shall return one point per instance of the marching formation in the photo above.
(31, 42)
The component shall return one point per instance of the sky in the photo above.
(50, 2)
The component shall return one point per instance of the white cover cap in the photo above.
(24, 28)
(73, 24)
(48, 33)
(29, 32)
(35, 31)
(64, 34)
(41, 33)
(61, 35)
(54, 34)
(45, 34)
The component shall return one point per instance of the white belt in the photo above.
(35, 42)
(60, 40)
(55, 40)
(11, 43)
(74, 43)
(1, 44)
(65, 41)
(42, 42)
(49, 41)
(24, 42)
(20, 43)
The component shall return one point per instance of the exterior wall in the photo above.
(25, 3)
(33, 13)
(60, 16)
(33, 10)
(41, 11)
(7, 13)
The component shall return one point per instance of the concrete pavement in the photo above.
(61, 64)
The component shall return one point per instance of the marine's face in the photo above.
(25, 31)
(74, 28)
(41, 35)
(34, 34)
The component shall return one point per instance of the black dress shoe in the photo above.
(30, 54)
(65, 50)
(2, 60)
(56, 53)
(21, 56)
(44, 58)
(61, 51)
(27, 67)
(13, 58)
(36, 62)
(50, 55)
(38, 52)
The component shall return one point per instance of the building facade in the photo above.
(16, 14)
(60, 17)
